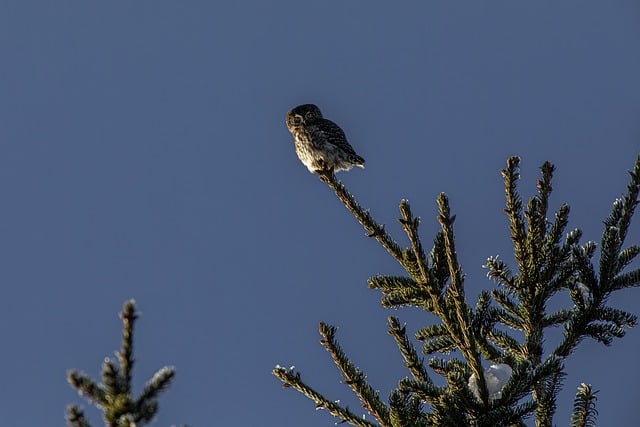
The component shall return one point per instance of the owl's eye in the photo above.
(297, 120)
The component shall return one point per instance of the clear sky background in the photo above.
(143, 154)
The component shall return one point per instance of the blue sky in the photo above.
(143, 154)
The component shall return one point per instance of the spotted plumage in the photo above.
(320, 143)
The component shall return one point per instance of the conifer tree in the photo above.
(523, 377)
(114, 396)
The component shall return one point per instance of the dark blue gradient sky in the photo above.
(143, 154)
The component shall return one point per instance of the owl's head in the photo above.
(303, 115)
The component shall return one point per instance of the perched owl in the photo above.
(320, 143)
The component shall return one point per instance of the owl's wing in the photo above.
(335, 135)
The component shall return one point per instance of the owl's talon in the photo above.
(324, 174)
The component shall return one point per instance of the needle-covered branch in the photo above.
(114, 395)
(594, 318)
(76, 418)
(410, 225)
(413, 362)
(125, 355)
(291, 378)
(363, 216)
(511, 176)
(354, 377)
(402, 291)
(461, 324)
(584, 407)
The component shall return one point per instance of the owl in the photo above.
(320, 143)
